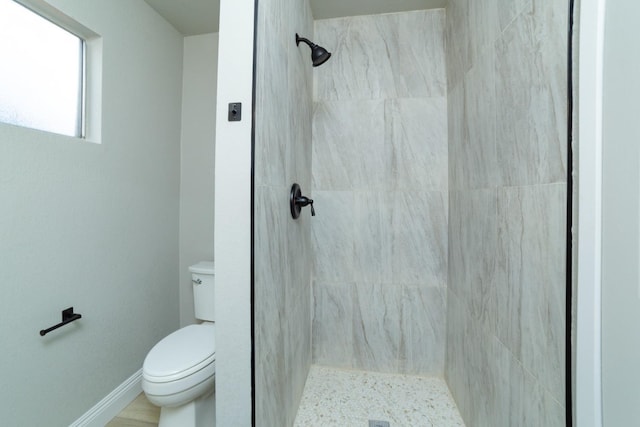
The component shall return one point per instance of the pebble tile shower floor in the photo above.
(335, 397)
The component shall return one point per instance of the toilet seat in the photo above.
(181, 361)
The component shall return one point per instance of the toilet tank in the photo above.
(202, 279)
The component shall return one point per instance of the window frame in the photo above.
(89, 120)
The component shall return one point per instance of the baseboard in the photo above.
(104, 411)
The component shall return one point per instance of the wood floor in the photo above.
(139, 413)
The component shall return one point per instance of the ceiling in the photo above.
(192, 17)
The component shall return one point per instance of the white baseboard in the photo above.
(104, 411)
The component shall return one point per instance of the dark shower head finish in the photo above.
(319, 55)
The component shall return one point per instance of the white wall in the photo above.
(232, 246)
(620, 216)
(199, 76)
(588, 390)
(94, 226)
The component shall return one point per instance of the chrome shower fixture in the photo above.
(319, 55)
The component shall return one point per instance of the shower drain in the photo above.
(376, 423)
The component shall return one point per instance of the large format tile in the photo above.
(507, 143)
(270, 263)
(333, 236)
(297, 303)
(379, 180)
(473, 367)
(332, 339)
(282, 246)
(419, 238)
(490, 386)
(372, 237)
(531, 286)
(379, 56)
(457, 135)
(416, 143)
(359, 67)
(272, 140)
(531, 99)
(473, 234)
(520, 399)
(423, 325)
(300, 95)
(457, 42)
(484, 27)
(376, 326)
(348, 145)
(269, 312)
(298, 258)
(417, 59)
(455, 359)
(508, 11)
(300, 124)
(478, 152)
(270, 381)
(297, 354)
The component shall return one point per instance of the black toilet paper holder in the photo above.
(68, 316)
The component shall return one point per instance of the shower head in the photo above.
(319, 55)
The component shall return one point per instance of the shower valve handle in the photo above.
(297, 201)
(304, 201)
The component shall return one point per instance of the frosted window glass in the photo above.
(40, 73)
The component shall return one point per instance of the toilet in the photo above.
(178, 373)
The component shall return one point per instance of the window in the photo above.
(42, 72)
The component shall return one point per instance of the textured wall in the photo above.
(506, 67)
(380, 186)
(282, 245)
(94, 226)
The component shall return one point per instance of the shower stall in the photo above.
(434, 145)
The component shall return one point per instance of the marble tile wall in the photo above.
(506, 69)
(282, 257)
(380, 188)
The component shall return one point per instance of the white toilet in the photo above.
(178, 373)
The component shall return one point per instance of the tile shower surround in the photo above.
(282, 295)
(389, 267)
(506, 64)
(380, 190)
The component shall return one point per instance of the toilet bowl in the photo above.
(178, 373)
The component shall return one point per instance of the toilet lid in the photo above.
(182, 353)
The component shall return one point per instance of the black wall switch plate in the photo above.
(235, 111)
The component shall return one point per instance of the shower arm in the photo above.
(307, 41)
